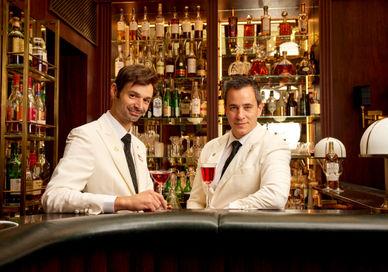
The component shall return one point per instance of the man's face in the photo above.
(131, 103)
(242, 110)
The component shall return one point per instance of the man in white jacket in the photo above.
(258, 175)
(94, 175)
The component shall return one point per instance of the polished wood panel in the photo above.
(355, 53)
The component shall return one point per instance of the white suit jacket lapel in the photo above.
(240, 158)
(115, 148)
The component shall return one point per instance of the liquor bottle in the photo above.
(121, 27)
(186, 25)
(265, 23)
(31, 106)
(191, 62)
(258, 64)
(159, 23)
(160, 63)
(285, 27)
(129, 60)
(145, 26)
(233, 20)
(249, 33)
(119, 61)
(195, 105)
(13, 180)
(198, 25)
(170, 64)
(331, 167)
(180, 65)
(236, 67)
(174, 22)
(178, 189)
(185, 103)
(175, 107)
(281, 105)
(246, 64)
(305, 67)
(201, 63)
(40, 105)
(302, 20)
(38, 54)
(157, 102)
(14, 101)
(292, 105)
(133, 26)
(15, 43)
(203, 97)
(44, 163)
(167, 101)
(304, 106)
(221, 103)
(271, 103)
(284, 67)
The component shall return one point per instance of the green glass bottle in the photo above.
(167, 102)
(179, 189)
(175, 105)
(186, 191)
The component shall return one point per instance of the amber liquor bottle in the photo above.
(233, 20)
(249, 32)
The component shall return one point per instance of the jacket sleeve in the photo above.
(274, 178)
(64, 191)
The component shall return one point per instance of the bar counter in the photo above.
(198, 240)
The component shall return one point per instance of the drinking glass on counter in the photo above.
(207, 173)
(160, 177)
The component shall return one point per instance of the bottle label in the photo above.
(166, 110)
(120, 26)
(221, 108)
(195, 106)
(303, 24)
(15, 184)
(198, 26)
(332, 169)
(185, 108)
(191, 66)
(145, 30)
(174, 29)
(160, 68)
(157, 107)
(159, 29)
(169, 68)
(186, 27)
(133, 26)
(266, 26)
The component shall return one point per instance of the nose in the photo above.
(240, 113)
(139, 103)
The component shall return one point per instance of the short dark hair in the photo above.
(137, 75)
(239, 82)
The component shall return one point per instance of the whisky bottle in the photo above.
(195, 101)
(120, 27)
(305, 67)
(201, 63)
(180, 65)
(191, 62)
(271, 103)
(185, 103)
(145, 26)
(246, 64)
(119, 61)
(221, 103)
(280, 105)
(198, 25)
(302, 20)
(40, 105)
(285, 27)
(170, 65)
(157, 103)
(160, 63)
(174, 23)
(31, 106)
(233, 21)
(291, 106)
(332, 168)
(133, 26)
(15, 43)
(258, 64)
(236, 67)
(265, 23)
(14, 101)
(284, 67)
(186, 25)
(159, 23)
(249, 33)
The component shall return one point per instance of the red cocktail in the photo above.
(207, 172)
(160, 177)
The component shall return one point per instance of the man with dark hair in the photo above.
(104, 167)
(253, 165)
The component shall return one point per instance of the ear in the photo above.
(113, 90)
(260, 109)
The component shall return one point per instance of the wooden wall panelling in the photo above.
(354, 52)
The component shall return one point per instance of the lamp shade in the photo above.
(374, 141)
(322, 147)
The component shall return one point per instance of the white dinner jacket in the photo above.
(258, 177)
(94, 170)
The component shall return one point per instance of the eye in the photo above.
(131, 95)
(147, 101)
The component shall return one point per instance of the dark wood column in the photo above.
(104, 34)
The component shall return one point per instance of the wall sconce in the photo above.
(362, 97)
(374, 143)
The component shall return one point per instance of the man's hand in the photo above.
(145, 201)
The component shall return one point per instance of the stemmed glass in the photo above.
(160, 177)
(207, 172)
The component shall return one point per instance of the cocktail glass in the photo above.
(207, 172)
(160, 177)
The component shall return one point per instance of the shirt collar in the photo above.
(118, 128)
(243, 139)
